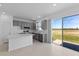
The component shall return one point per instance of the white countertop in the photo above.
(18, 35)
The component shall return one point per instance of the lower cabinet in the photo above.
(38, 37)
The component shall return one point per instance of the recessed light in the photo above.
(54, 5)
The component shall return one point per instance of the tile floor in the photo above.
(38, 49)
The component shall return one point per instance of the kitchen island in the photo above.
(19, 40)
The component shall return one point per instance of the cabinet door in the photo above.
(40, 37)
(44, 24)
(33, 26)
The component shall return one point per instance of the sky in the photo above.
(68, 22)
(57, 23)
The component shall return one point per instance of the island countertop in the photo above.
(18, 35)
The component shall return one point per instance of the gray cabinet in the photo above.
(23, 24)
(33, 26)
(38, 37)
(44, 24)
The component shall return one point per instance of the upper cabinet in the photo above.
(44, 24)
(24, 24)
(33, 26)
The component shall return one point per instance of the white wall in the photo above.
(5, 26)
(49, 31)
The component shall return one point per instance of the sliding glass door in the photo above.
(65, 31)
(56, 31)
(71, 32)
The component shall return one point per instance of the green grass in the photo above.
(68, 35)
(69, 38)
(54, 37)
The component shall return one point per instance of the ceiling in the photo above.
(32, 11)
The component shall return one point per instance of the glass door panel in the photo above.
(56, 31)
(71, 32)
